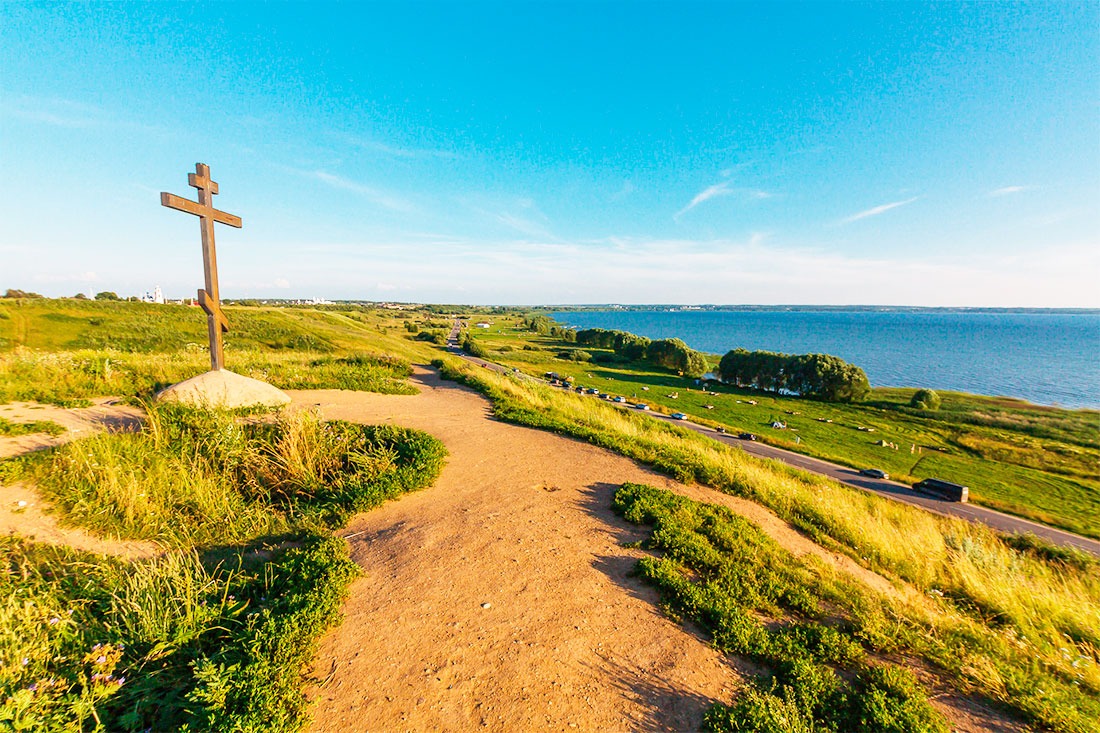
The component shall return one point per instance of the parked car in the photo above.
(593, 390)
(874, 473)
(747, 436)
(719, 429)
(620, 398)
(642, 406)
(679, 416)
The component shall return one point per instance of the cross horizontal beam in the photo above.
(173, 201)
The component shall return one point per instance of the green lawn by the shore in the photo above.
(1042, 463)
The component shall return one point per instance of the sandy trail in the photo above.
(22, 509)
(520, 520)
(106, 413)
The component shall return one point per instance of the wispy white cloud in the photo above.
(389, 149)
(1008, 190)
(719, 190)
(750, 269)
(53, 111)
(396, 151)
(524, 225)
(875, 211)
(376, 196)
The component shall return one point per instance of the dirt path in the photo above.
(501, 597)
(106, 413)
(22, 509)
(23, 512)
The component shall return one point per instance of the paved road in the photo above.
(851, 477)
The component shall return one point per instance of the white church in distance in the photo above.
(157, 296)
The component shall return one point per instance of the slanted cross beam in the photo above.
(216, 322)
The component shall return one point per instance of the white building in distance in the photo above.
(157, 296)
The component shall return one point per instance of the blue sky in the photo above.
(905, 153)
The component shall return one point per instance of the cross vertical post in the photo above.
(216, 322)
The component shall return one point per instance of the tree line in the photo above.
(671, 354)
(820, 376)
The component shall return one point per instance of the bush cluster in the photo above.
(543, 326)
(672, 354)
(925, 399)
(820, 376)
(473, 348)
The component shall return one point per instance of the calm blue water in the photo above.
(1049, 359)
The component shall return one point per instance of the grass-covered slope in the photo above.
(62, 351)
(1022, 626)
(213, 634)
(757, 601)
(1038, 462)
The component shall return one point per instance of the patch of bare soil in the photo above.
(106, 413)
(23, 512)
(502, 596)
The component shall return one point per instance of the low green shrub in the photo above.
(722, 572)
(925, 399)
(9, 428)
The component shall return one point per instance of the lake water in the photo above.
(1048, 359)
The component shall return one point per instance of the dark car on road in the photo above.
(747, 436)
(874, 473)
(943, 489)
(679, 416)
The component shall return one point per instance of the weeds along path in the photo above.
(501, 597)
(24, 512)
(105, 413)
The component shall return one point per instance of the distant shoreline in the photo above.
(1038, 356)
(670, 308)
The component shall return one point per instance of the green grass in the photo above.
(46, 354)
(1024, 624)
(757, 601)
(213, 634)
(1037, 462)
(9, 428)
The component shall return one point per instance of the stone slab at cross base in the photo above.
(223, 389)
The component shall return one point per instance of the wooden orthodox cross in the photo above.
(216, 321)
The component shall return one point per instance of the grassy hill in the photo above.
(63, 350)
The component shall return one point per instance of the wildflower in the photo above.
(26, 661)
(54, 620)
(101, 660)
